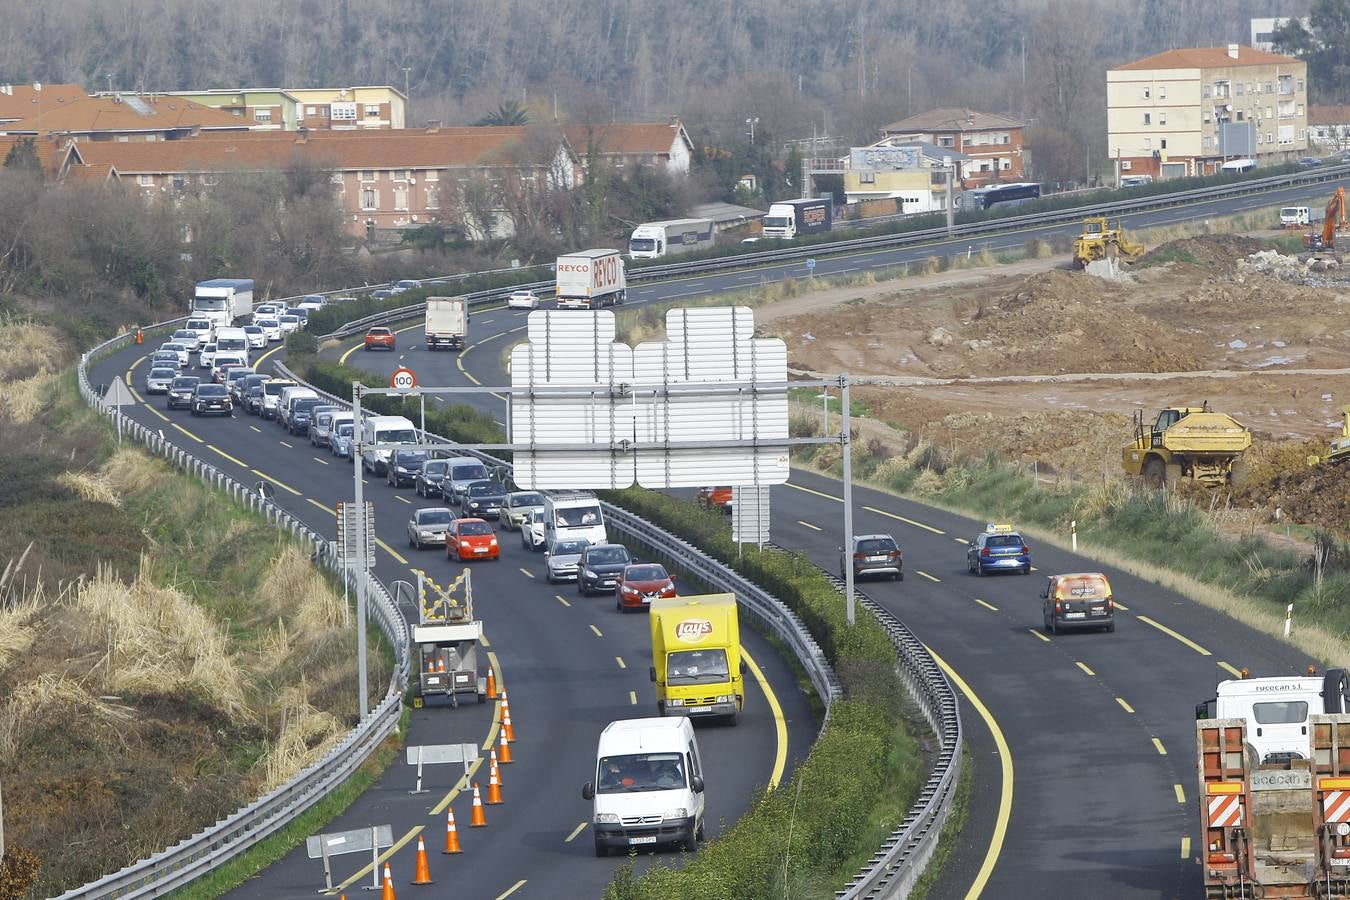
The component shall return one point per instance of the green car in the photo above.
(518, 506)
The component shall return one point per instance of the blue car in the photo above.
(998, 549)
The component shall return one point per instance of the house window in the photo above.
(179, 182)
(1269, 87)
(210, 180)
(1300, 85)
(433, 197)
(1148, 143)
(336, 178)
(1256, 88)
(262, 115)
(1239, 87)
(1146, 93)
(1300, 109)
(1148, 119)
(1241, 116)
(1302, 133)
(1205, 92)
(311, 111)
(433, 175)
(1270, 112)
(367, 175)
(1208, 141)
(946, 142)
(1162, 144)
(369, 198)
(1258, 138)
(1162, 118)
(343, 112)
(401, 175)
(1162, 92)
(401, 197)
(867, 177)
(1269, 136)
(1006, 165)
(1207, 117)
(145, 180)
(372, 110)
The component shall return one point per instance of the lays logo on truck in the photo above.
(693, 630)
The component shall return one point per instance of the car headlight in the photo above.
(629, 590)
(473, 504)
(464, 543)
(723, 698)
(492, 542)
(402, 470)
(589, 573)
(678, 812)
(675, 702)
(606, 819)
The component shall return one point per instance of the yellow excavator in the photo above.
(1099, 241)
(1340, 446)
(1186, 442)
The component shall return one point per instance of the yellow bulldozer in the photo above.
(1187, 442)
(1100, 241)
(1340, 446)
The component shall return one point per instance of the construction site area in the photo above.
(1047, 366)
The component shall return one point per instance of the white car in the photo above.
(532, 531)
(189, 338)
(202, 328)
(180, 348)
(267, 309)
(312, 302)
(225, 361)
(289, 323)
(206, 358)
(257, 338)
(271, 327)
(522, 300)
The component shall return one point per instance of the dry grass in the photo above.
(154, 640)
(304, 735)
(131, 471)
(50, 697)
(30, 355)
(93, 487)
(293, 589)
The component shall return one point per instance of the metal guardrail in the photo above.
(192, 857)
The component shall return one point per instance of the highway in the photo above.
(570, 665)
(1082, 744)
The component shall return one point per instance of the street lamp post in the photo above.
(750, 124)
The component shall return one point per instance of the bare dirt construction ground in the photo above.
(1047, 364)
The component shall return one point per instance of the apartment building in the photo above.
(265, 109)
(664, 146)
(351, 108)
(912, 173)
(1194, 111)
(992, 143)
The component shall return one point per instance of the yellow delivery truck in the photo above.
(696, 656)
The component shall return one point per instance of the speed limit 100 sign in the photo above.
(403, 379)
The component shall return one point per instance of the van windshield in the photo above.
(637, 772)
(1282, 712)
(697, 666)
(474, 472)
(231, 343)
(575, 516)
(396, 436)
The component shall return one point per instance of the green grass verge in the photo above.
(951, 830)
(272, 848)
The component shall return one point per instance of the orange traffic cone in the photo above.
(423, 875)
(440, 664)
(505, 754)
(478, 819)
(492, 685)
(492, 767)
(494, 787)
(507, 728)
(388, 892)
(451, 833)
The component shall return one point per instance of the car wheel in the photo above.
(581, 588)
(1110, 628)
(898, 576)
(618, 604)
(702, 833)
(601, 849)
(1054, 626)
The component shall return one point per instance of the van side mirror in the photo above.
(652, 673)
(1204, 710)
(742, 667)
(697, 784)
(588, 791)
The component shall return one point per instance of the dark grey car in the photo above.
(599, 568)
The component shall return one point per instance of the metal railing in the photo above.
(192, 857)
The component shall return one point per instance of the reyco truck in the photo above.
(1274, 787)
(696, 656)
(790, 218)
(590, 279)
(223, 300)
(447, 322)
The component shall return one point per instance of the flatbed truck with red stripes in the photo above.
(1274, 788)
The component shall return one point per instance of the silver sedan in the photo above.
(428, 526)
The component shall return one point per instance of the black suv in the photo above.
(301, 411)
(404, 466)
(599, 568)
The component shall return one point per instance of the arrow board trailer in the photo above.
(652, 240)
(447, 660)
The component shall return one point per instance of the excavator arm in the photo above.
(1335, 218)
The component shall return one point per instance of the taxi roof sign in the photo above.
(999, 528)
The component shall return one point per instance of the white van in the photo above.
(574, 516)
(286, 402)
(648, 786)
(232, 340)
(383, 430)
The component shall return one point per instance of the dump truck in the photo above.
(446, 639)
(696, 657)
(1099, 241)
(1274, 787)
(1186, 442)
(447, 322)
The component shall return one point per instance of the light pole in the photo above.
(406, 70)
(824, 412)
(109, 76)
(750, 124)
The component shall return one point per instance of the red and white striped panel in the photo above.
(1225, 810)
(1336, 806)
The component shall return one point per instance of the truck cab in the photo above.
(574, 516)
(1277, 710)
(696, 656)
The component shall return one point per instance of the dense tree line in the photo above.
(842, 68)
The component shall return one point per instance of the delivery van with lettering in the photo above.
(696, 657)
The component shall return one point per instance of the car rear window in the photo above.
(876, 545)
(210, 390)
(1082, 587)
(1003, 540)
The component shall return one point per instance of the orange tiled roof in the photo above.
(952, 118)
(128, 114)
(50, 155)
(1208, 58)
(18, 101)
(626, 138)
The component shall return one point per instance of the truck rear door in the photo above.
(1083, 598)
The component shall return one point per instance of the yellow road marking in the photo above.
(988, 606)
(1186, 848)
(961, 540)
(779, 722)
(597, 631)
(139, 398)
(157, 412)
(459, 364)
(274, 481)
(511, 890)
(526, 572)
(1172, 634)
(1162, 751)
(258, 362)
(1084, 667)
(1125, 706)
(1120, 606)
(632, 697)
(562, 599)
(891, 515)
(342, 360)
(484, 641)
(365, 870)
(575, 831)
(329, 510)
(817, 493)
(322, 462)
(256, 428)
(926, 575)
(136, 362)
(809, 525)
(286, 445)
(188, 433)
(1035, 633)
(1005, 790)
(622, 664)
(1229, 669)
(235, 460)
(392, 552)
(1181, 793)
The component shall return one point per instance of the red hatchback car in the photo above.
(381, 338)
(640, 584)
(468, 539)
(715, 498)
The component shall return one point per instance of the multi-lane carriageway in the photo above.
(1081, 745)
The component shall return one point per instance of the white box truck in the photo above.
(223, 300)
(652, 240)
(789, 218)
(447, 322)
(590, 279)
